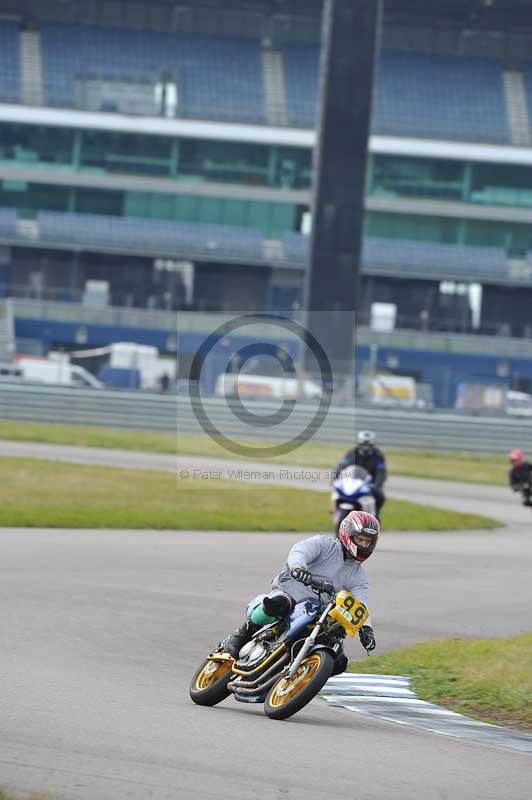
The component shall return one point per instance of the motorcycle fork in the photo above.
(309, 642)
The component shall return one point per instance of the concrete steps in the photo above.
(274, 87)
(516, 108)
(31, 68)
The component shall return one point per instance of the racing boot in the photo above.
(277, 604)
(340, 664)
(236, 641)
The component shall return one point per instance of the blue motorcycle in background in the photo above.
(352, 491)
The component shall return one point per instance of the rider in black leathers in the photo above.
(520, 475)
(368, 456)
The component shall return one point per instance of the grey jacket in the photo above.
(324, 558)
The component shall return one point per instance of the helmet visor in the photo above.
(363, 539)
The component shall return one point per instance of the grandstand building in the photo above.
(157, 158)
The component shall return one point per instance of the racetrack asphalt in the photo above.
(101, 632)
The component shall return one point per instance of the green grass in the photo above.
(88, 436)
(460, 466)
(489, 679)
(420, 464)
(8, 796)
(38, 493)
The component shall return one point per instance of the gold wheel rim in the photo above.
(211, 672)
(286, 689)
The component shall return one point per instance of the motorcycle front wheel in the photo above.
(287, 696)
(209, 683)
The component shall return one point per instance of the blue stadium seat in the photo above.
(295, 247)
(158, 236)
(301, 67)
(8, 222)
(9, 62)
(527, 75)
(442, 97)
(217, 77)
(460, 262)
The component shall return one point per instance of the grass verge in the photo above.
(38, 493)
(8, 796)
(489, 679)
(419, 464)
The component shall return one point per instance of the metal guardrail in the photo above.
(41, 403)
(142, 410)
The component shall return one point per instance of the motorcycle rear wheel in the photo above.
(286, 697)
(209, 683)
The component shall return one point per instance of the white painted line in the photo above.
(387, 698)
(355, 676)
(370, 699)
(396, 691)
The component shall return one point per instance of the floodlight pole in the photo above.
(348, 53)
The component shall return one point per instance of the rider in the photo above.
(520, 474)
(338, 561)
(368, 456)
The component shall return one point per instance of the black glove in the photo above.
(302, 575)
(367, 638)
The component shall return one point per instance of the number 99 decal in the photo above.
(349, 602)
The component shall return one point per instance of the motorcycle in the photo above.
(288, 661)
(525, 490)
(352, 491)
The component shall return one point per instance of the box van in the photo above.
(264, 387)
(58, 372)
(518, 404)
(390, 390)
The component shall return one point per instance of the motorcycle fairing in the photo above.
(303, 614)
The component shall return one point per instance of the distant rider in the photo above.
(368, 456)
(338, 561)
(520, 475)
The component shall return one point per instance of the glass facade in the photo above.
(272, 219)
(470, 182)
(114, 151)
(501, 184)
(36, 144)
(118, 152)
(397, 176)
(248, 164)
(254, 165)
(514, 237)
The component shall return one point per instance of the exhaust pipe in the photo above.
(250, 687)
(241, 689)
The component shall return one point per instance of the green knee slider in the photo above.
(260, 617)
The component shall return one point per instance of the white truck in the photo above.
(57, 371)
(265, 387)
(396, 391)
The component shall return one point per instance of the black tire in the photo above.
(212, 692)
(309, 690)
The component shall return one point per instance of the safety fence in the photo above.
(178, 414)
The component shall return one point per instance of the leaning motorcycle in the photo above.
(352, 491)
(288, 661)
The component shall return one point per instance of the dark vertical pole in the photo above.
(349, 44)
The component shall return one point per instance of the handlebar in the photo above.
(323, 587)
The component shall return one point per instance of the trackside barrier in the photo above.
(151, 411)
